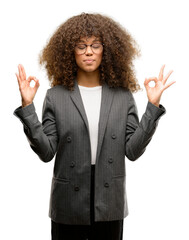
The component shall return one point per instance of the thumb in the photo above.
(36, 84)
(146, 83)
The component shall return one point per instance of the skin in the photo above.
(88, 76)
(154, 93)
(88, 73)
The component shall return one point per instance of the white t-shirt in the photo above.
(91, 97)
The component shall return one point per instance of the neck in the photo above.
(88, 79)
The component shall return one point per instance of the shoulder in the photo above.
(122, 92)
(58, 89)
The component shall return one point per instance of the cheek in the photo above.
(78, 60)
(100, 59)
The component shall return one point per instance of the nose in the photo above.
(88, 50)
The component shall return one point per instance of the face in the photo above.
(81, 59)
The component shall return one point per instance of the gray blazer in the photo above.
(64, 132)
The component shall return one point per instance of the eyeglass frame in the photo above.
(88, 45)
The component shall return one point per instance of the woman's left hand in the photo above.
(154, 93)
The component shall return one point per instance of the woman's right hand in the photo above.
(27, 92)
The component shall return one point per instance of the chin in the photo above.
(89, 69)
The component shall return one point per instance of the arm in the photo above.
(42, 137)
(138, 135)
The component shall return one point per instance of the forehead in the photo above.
(89, 39)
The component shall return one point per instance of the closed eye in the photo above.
(81, 46)
(96, 45)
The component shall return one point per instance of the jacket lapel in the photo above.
(77, 99)
(106, 101)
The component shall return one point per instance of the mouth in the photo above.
(89, 60)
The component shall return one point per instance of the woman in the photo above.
(90, 122)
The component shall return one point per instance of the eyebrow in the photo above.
(95, 40)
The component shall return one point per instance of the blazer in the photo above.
(64, 132)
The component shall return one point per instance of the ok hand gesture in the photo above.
(27, 92)
(154, 93)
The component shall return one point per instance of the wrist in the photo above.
(155, 103)
(25, 104)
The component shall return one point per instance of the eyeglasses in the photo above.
(96, 48)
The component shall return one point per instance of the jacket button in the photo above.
(72, 164)
(69, 139)
(110, 160)
(113, 136)
(76, 188)
(106, 184)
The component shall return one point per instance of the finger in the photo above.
(167, 76)
(168, 85)
(148, 80)
(161, 73)
(146, 84)
(23, 71)
(36, 84)
(30, 78)
(18, 78)
(20, 73)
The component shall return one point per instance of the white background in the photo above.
(157, 183)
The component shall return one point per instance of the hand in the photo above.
(154, 93)
(27, 92)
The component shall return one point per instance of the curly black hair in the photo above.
(120, 49)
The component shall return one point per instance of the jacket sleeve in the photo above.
(42, 137)
(139, 134)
